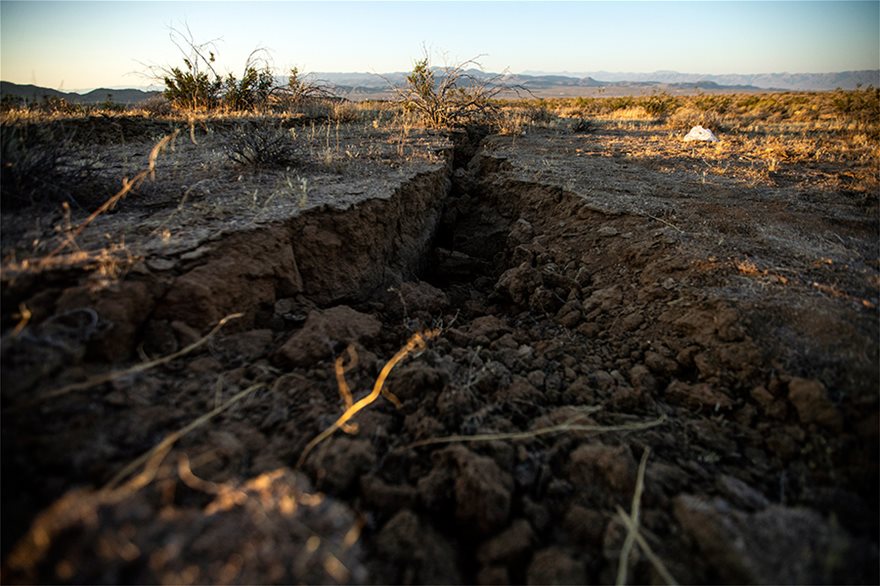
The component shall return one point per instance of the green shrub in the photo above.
(861, 105)
(192, 89)
(251, 92)
(660, 105)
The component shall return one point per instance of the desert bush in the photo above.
(540, 114)
(156, 106)
(199, 87)
(717, 104)
(583, 126)
(660, 105)
(618, 103)
(454, 99)
(39, 167)
(260, 145)
(301, 92)
(861, 105)
(687, 117)
(251, 92)
(192, 89)
(10, 102)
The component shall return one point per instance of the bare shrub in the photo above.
(583, 126)
(455, 98)
(156, 106)
(39, 167)
(260, 145)
(301, 92)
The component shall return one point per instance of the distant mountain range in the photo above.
(785, 81)
(33, 93)
(373, 85)
(540, 84)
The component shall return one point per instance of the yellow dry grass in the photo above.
(567, 427)
(415, 343)
(633, 536)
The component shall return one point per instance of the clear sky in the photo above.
(74, 45)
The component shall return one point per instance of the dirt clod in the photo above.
(810, 399)
(322, 330)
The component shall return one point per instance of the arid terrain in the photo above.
(338, 347)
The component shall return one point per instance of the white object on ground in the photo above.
(700, 133)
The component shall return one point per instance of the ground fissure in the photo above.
(560, 300)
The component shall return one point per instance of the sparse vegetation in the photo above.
(39, 167)
(258, 144)
(453, 99)
(578, 203)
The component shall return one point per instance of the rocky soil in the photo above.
(594, 307)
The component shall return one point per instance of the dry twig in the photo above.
(625, 551)
(153, 458)
(416, 342)
(561, 428)
(633, 535)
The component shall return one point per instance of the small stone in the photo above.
(604, 299)
(641, 379)
(510, 544)
(554, 566)
(385, 497)
(493, 576)
(660, 364)
(607, 231)
(205, 364)
(698, 396)
(537, 378)
(741, 494)
(337, 324)
(776, 545)
(247, 346)
(602, 379)
(598, 464)
(586, 526)
(489, 326)
(631, 322)
(812, 403)
(160, 264)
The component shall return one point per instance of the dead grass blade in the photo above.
(127, 186)
(646, 549)
(562, 428)
(144, 366)
(416, 342)
(25, 316)
(634, 517)
(152, 459)
(633, 535)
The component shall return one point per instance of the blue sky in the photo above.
(75, 45)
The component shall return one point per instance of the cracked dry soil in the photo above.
(587, 289)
